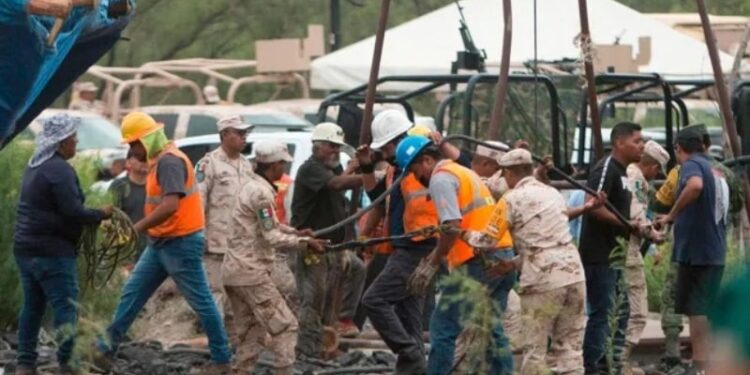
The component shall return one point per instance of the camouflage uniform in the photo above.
(497, 184)
(553, 291)
(263, 318)
(219, 181)
(634, 268)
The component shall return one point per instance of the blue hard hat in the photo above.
(409, 148)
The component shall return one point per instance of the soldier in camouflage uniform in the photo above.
(640, 174)
(263, 318)
(553, 290)
(220, 175)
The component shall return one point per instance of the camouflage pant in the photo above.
(283, 278)
(671, 323)
(263, 321)
(316, 283)
(556, 317)
(638, 301)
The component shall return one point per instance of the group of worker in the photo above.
(491, 218)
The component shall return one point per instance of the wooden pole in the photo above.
(364, 134)
(501, 92)
(586, 47)
(730, 130)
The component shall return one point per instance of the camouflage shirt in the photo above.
(497, 185)
(638, 210)
(538, 221)
(219, 180)
(255, 235)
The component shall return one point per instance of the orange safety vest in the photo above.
(500, 229)
(419, 210)
(189, 215)
(386, 247)
(476, 205)
(282, 188)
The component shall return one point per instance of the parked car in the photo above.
(182, 121)
(298, 143)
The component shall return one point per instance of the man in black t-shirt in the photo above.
(129, 194)
(318, 202)
(600, 232)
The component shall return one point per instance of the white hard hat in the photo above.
(388, 125)
(328, 132)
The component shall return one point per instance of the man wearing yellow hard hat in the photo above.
(174, 222)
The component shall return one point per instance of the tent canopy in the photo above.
(32, 74)
(428, 44)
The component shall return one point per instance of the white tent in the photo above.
(428, 44)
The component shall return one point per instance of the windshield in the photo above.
(272, 122)
(97, 133)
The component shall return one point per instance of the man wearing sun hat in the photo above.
(220, 175)
(174, 223)
(49, 222)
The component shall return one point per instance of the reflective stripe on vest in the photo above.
(419, 210)
(476, 204)
(189, 215)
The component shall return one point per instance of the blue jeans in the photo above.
(602, 285)
(181, 259)
(453, 311)
(43, 280)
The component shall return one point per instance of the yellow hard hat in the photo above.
(420, 130)
(137, 125)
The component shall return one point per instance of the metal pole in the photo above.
(586, 46)
(501, 92)
(364, 134)
(729, 128)
(335, 35)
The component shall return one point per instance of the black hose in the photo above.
(397, 181)
(538, 159)
(363, 211)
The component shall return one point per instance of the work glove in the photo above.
(422, 277)
(346, 260)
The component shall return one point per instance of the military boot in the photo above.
(214, 369)
(23, 370)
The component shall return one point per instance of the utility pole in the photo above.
(730, 129)
(498, 110)
(334, 37)
(586, 47)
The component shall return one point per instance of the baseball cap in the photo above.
(234, 122)
(515, 157)
(271, 152)
(658, 153)
(491, 152)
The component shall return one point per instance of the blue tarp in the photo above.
(33, 75)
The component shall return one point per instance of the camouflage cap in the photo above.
(271, 152)
(658, 153)
(87, 87)
(491, 152)
(515, 157)
(234, 122)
